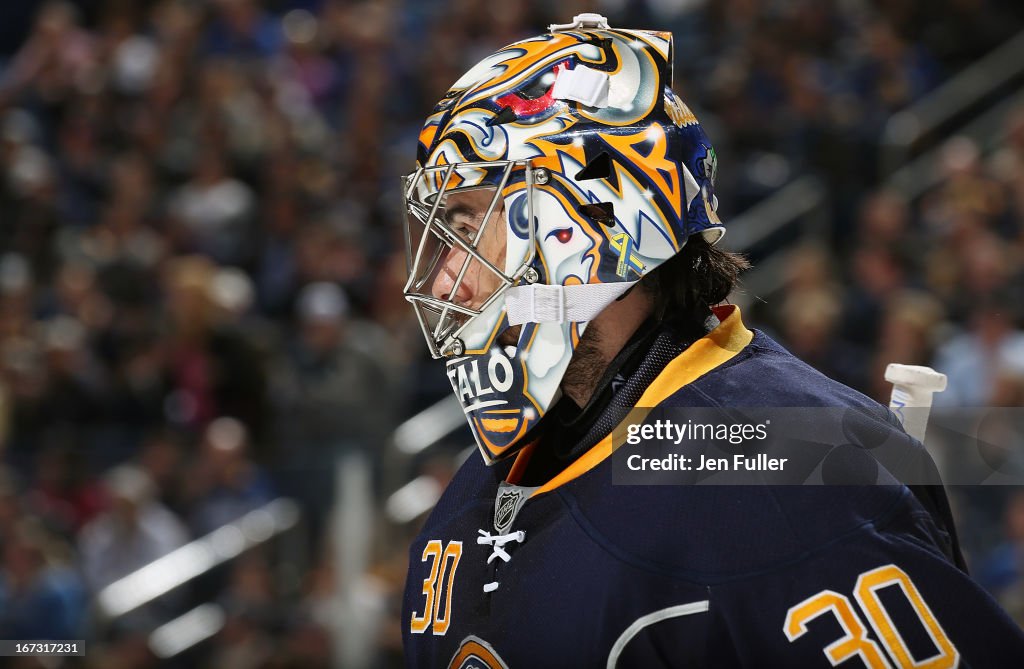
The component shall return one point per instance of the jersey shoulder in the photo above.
(765, 374)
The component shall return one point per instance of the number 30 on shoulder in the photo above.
(855, 640)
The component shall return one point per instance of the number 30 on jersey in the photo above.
(437, 587)
(855, 641)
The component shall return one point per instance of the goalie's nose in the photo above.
(444, 284)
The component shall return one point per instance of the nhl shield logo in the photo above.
(505, 508)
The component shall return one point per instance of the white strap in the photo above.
(541, 303)
(582, 84)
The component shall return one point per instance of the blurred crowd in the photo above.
(201, 271)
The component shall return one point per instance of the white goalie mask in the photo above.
(551, 178)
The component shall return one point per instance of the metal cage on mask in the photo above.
(429, 238)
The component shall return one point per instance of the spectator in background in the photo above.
(1001, 571)
(75, 384)
(911, 325)
(973, 359)
(252, 609)
(327, 393)
(65, 492)
(1008, 389)
(876, 273)
(56, 55)
(1007, 166)
(133, 532)
(41, 596)
(809, 317)
(163, 459)
(893, 73)
(810, 321)
(225, 484)
(213, 366)
(241, 28)
(215, 211)
(885, 219)
(967, 199)
(275, 276)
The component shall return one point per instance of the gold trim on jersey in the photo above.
(707, 353)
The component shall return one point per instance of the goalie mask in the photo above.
(550, 178)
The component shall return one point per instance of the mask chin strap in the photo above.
(539, 303)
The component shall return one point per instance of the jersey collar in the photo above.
(707, 353)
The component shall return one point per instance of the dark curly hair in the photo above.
(685, 287)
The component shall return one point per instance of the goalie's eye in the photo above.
(563, 235)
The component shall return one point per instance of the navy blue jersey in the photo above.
(579, 572)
